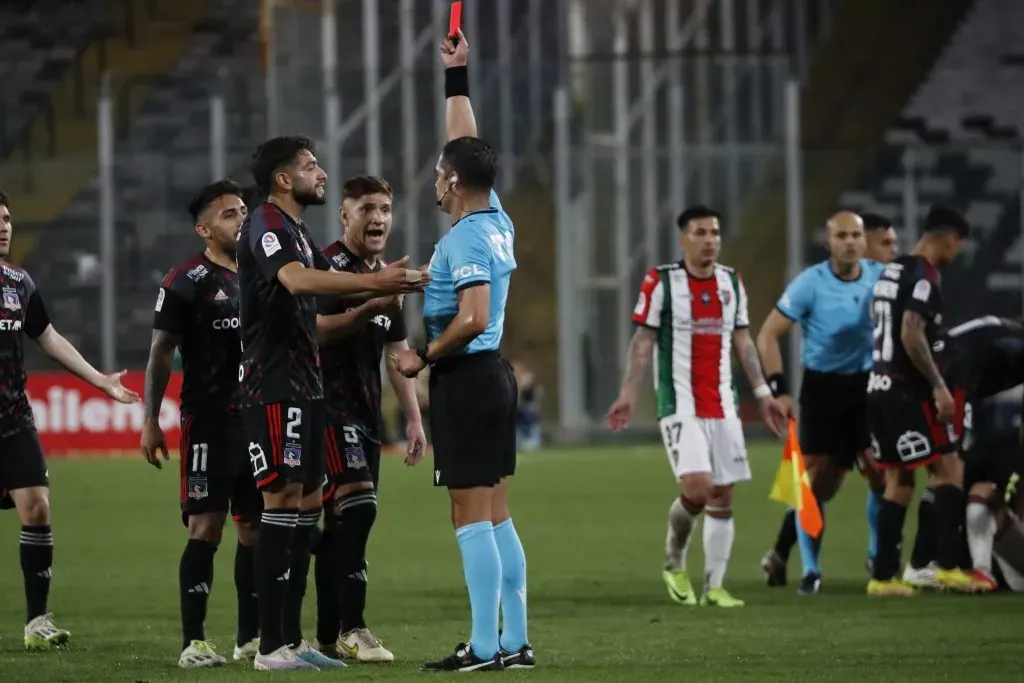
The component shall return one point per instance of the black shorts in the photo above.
(352, 457)
(992, 453)
(21, 464)
(286, 443)
(215, 474)
(473, 420)
(906, 430)
(833, 416)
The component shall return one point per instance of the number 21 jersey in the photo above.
(910, 283)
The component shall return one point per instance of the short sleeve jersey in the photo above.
(834, 317)
(351, 365)
(198, 303)
(910, 283)
(694, 318)
(280, 358)
(21, 313)
(477, 250)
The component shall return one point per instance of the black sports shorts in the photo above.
(352, 457)
(215, 474)
(286, 443)
(833, 416)
(22, 464)
(906, 428)
(473, 401)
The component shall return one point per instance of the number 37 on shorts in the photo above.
(714, 445)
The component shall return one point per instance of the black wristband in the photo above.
(422, 353)
(778, 384)
(456, 81)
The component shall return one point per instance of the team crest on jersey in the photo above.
(12, 302)
(292, 456)
(726, 296)
(198, 488)
(705, 298)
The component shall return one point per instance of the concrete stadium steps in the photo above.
(159, 44)
(861, 76)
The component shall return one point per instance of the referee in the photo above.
(472, 389)
(830, 302)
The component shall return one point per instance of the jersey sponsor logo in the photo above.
(913, 446)
(382, 321)
(271, 245)
(714, 326)
(12, 273)
(159, 300)
(10, 326)
(922, 290)
(885, 289)
(471, 270)
(226, 324)
(12, 302)
(879, 383)
(197, 273)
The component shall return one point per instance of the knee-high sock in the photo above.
(719, 532)
(513, 587)
(482, 568)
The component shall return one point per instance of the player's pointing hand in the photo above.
(397, 279)
(453, 54)
(113, 388)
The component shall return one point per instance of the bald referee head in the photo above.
(846, 242)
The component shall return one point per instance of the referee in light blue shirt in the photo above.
(472, 389)
(830, 301)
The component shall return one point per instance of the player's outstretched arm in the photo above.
(336, 326)
(459, 119)
(775, 327)
(158, 374)
(395, 279)
(62, 351)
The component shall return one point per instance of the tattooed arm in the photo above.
(751, 362)
(641, 349)
(915, 341)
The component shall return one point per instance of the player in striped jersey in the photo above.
(688, 316)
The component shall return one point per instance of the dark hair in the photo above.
(694, 213)
(252, 197)
(275, 153)
(363, 185)
(473, 161)
(942, 218)
(875, 221)
(209, 194)
(4, 200)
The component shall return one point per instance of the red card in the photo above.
(455, 20)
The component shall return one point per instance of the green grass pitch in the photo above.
(593, 524)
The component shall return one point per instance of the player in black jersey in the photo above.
(353, 335)
(197, 312)
(280, 273)
(910, 408)
(980, 359)
(24, 482)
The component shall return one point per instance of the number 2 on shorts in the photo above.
(291, 429)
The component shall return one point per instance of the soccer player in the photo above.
(829, 301)
(280, 273)
(688, 316)
(472, 389)
(197, 312)
(353, 335)
(980, 358)
(910, 406)
(882, 245)
(24, 481)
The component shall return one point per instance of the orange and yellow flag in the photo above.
(792, 487)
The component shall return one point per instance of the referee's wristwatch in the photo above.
(422, 353)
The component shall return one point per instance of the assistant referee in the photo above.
(472, 389)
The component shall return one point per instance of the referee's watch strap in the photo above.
(778, 385)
